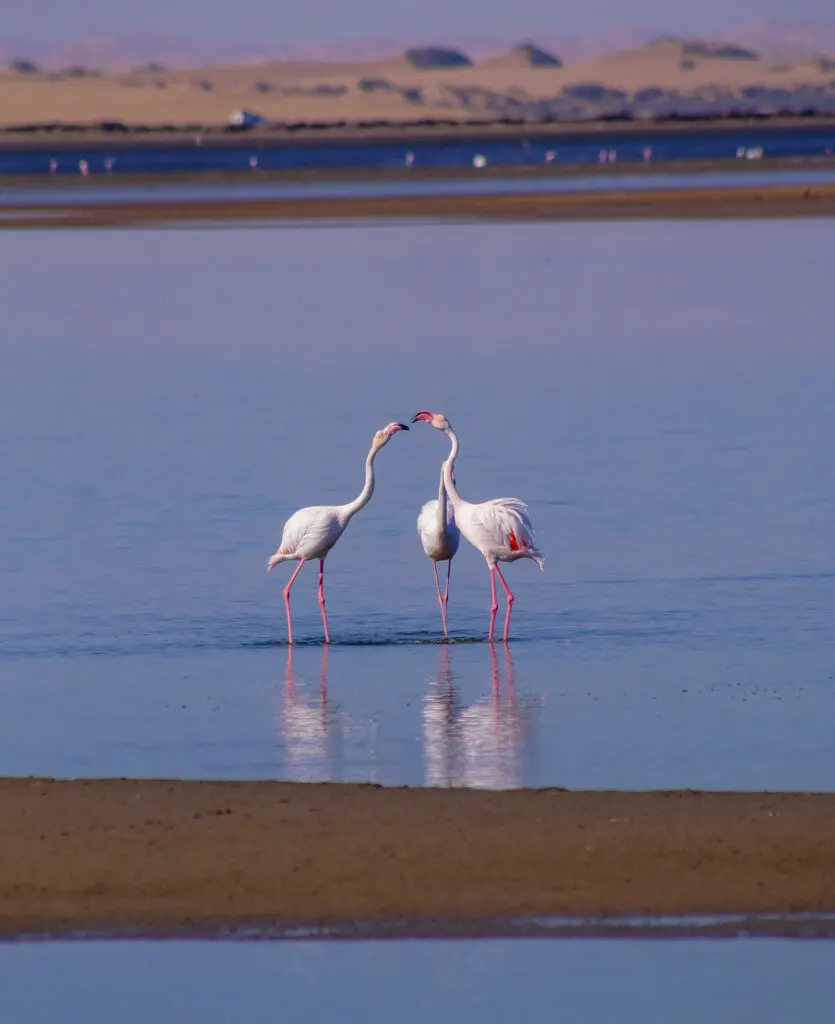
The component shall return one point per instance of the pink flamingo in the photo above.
(440, 537)
(311, 532)
(501, 529)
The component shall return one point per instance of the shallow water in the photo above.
(660, 394)
(488, 980)
(428, 152)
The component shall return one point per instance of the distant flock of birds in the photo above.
(500, 529)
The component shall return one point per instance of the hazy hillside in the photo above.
(772, 39)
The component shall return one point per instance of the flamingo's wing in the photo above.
(438, 543)
(426, 518)
(505, 522)
(310, 532)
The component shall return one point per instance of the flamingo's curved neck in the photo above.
(442, 502)
(447, 469)
(363, 498)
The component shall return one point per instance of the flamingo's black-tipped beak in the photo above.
(402, 426)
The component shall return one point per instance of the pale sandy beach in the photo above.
(165, 857)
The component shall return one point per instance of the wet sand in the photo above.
(171, 857)
(750, 201)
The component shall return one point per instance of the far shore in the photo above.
(115, 135)
(424, 86)
(169, 857)
(671, 204)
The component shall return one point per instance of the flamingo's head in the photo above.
(434, 419)
(382, 437)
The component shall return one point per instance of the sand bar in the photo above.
(751, 201)
(173, 857)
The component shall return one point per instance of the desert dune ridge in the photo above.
(672, 76)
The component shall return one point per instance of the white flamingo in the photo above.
(440, 537)
(311, 532)
(501, 529)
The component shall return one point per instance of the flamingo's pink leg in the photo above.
(287, 601)
(322, 599)
(510, 600)
(446, 592)
(440, 596)
(494, 607)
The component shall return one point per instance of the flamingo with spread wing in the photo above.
(501, 529)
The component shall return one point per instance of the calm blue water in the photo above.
(591, 980)
(660, 393)
(94, 190)
(561, 148)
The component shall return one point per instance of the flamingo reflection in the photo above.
(440, 711)
(310, 726)
(480, 746)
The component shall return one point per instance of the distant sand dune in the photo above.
(685, 74)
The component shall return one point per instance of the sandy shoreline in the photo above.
(734, 202)
(60, 136)
(173, 857)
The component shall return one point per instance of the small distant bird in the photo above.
(311, 532)
(501, 529)
(440, 537)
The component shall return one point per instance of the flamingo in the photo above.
(311, 532)
(500, 529)
(440, 537)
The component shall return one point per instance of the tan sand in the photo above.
(764, 201)
(305, 91)
(165, 857)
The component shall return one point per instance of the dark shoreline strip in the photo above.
(249, 859)
(725, 926)
(136, 136)
(733, 202)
